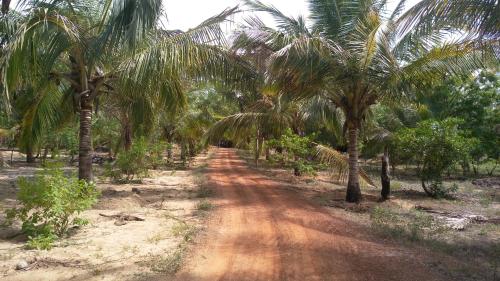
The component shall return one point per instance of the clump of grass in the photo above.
(204, 205)
(204, 192)
(414, 225)
(170, 263)
(395, 185)
(155, 239)
(182, 229)
(486, 199)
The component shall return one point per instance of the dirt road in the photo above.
(264, 231)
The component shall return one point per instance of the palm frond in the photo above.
(339, 164)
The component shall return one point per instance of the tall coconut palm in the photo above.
(89, 48)
(354, 57)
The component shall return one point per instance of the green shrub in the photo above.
(204, 205)
(435, 146)
(42, 241)
(50, 203)
(298, 149)
(304, 168)
(134, 162)
(155, 158)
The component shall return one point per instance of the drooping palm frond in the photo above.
(48, 109)
(240, 126)
(319, 110)
(476, 17)
(194, 53)
(289, 25)
(129, 21)
(339, 164)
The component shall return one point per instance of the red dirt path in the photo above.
(263, 231)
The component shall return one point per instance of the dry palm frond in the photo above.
(339, 163)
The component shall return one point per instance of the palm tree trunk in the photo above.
(384, 175)
(85, 149)
(5, 6)
(353, 193)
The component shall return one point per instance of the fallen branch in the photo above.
(122, 219)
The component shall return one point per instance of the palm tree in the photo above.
(477, 18)
(90, 48)
(353, 57)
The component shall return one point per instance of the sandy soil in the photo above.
(103, 250)
(263, 230)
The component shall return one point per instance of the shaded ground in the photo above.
(264, 230)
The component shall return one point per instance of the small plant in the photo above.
(185, 230)
(204, 192)
(204, 205)
(155, 157)
(155, 238)
(170, 263)
(131, 163)
(304, 168)
(50, 203)
(43, 241)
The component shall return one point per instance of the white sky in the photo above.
(184, 14)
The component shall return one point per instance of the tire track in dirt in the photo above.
(263, 231)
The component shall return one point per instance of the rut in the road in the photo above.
(262, 231)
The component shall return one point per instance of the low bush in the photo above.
(49, 205)
(155, 157)
(297, 150)
(133, 163)
(136, 162)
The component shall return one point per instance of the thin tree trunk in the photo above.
(490, 173)
(127, 134)
(85, 149)
(169, 153)
(384, 176)
(268, 153)
(257, 150)
(192, 149)
(2, 162)
(29, 155)
(45, 153)
(353, 193)
(183, 152)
